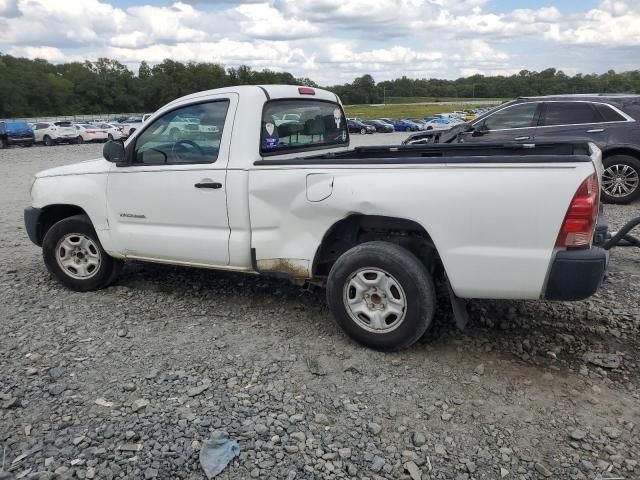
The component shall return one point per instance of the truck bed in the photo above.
(454, 153)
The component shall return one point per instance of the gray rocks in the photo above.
(577, 434)
(419, 439)
(374, 428)
(604, 360)
(139, 404)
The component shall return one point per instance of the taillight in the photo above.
(580, 221)
(91, 131)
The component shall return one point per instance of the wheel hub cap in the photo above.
(78, 256)
(620, 180)
(375, 300)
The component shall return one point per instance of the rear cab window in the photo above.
(298, 125)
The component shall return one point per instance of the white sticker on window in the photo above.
(337, 115)
(270, 128)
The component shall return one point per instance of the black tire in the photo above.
(4, 143)
(131, 131)
(408, 129)
(618, 163)
(105, 274)
(407, 270)
(110, 137)
(79, 140)
(47, 141)
(363, 131)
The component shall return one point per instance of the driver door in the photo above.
(168, 201)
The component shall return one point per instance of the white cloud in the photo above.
(613, 23)
(329, 40)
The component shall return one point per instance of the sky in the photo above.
(334, 41)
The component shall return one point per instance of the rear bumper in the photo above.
(576, 274)
(31, 223)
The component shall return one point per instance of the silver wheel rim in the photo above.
(375, 300)
(620, 180)
(78, 256)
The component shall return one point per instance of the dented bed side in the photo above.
(494, 224)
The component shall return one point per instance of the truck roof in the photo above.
(261, 93)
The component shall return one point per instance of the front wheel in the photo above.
(381, 295)
(74, 256)
(408, 129)
(363, 131)
(621, 179)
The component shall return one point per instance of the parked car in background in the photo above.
(420, 122)
(611, 121)
(87, 132)
(380, 126)
(114, 131)
(405, 126)
(356, 126)
(52, 133)
(437, 124)
(130, 125)
(16, 132)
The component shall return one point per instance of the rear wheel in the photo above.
(110, 137)
(4, 143)
(74, 256)
(80, 140)
(621, 179)
(47, 140)
(381, 295)
(407, 129)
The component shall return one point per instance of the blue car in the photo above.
(16, 133)
(404, 126)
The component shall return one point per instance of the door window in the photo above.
(517, 116)
(569, 113)
(186, 135)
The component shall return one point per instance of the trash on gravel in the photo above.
(604, 360)
(217, 452)
(103, 403)
(314, 367)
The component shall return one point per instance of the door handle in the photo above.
(517, 139)
(596, 130)
(215, 185)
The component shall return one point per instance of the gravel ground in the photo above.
(129, 381)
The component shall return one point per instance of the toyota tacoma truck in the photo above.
(376, 225)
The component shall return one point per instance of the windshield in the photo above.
(298, 125)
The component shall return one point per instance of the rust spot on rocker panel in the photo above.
(293, 267)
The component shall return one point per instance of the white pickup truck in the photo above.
(377, 225)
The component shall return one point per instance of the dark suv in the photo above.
(16, 133)
(608, 120)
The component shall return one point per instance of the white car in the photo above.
(87, 132)
(52, 133)
(377, 225)
(114, 131)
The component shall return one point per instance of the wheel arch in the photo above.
(620, 150)
(359, 228)
(51, 214)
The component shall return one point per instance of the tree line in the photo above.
(30, 88)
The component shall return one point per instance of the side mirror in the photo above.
(479, 130)
(113, 151)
